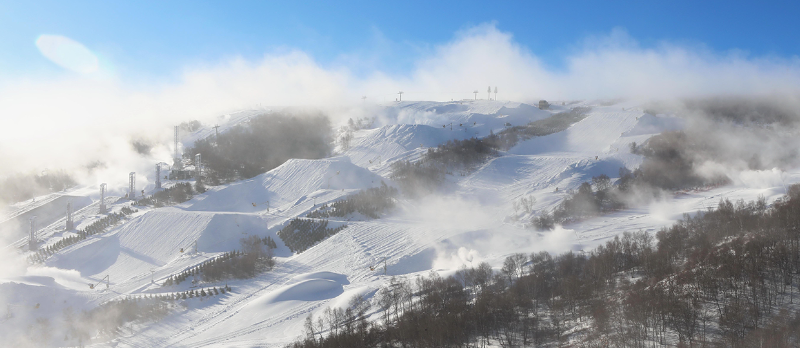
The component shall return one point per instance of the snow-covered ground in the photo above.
(469, 225)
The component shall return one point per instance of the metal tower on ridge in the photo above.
(132, 185)
(197, 167)
(177, 159)
(32, 244)
(158, 174)
(70, 223)
(103, 198)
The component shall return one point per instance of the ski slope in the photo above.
(474, 221)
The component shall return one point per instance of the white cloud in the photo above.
(65, 122)
(68, 53)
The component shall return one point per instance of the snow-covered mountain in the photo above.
(469, 224)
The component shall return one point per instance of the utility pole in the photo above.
(401, 95)
(476, 94)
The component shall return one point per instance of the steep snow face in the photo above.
(376, 149)
(601, 132)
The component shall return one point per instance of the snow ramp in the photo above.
(286, 184)
(154, 240)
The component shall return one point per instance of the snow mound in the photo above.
(289, 183)
(336, 277)
(308, 290)
(154, 239)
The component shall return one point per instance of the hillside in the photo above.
(473, 220)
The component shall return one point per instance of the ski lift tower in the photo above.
(132, 185)
(70, 222)
(176, 165)
(476, 94)
(401, 95)
(103, 198)
(158, 174)
(32, 244)
(197, 167)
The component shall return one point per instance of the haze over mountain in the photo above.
(324, 193)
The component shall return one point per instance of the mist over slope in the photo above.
(474, 217)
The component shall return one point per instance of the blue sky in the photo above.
(156, 40)
(89, 75)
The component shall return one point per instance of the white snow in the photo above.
(468, 225)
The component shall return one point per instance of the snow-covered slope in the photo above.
(468, 225)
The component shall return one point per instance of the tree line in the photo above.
(261, 144)
(178, 193)
(300, 234)
(255, 256)
(370, 202)
(96, 227)
(427, 174)
(724, 278)
(589, 200)
(509, 137)
(109, 320)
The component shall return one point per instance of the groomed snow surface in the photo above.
(471, 224)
